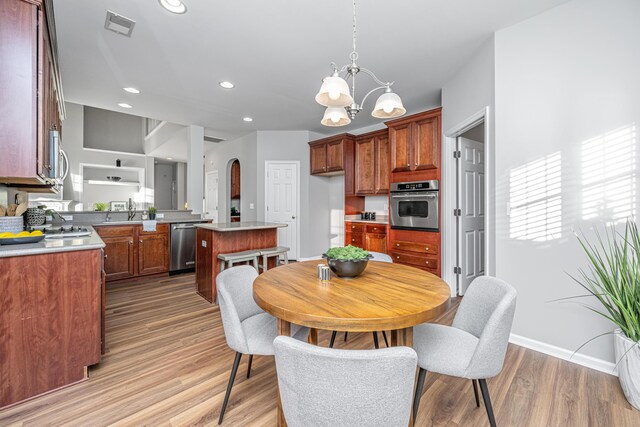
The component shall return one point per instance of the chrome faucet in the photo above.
(132, 210)
(108, 216)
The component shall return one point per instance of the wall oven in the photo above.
(414, 205)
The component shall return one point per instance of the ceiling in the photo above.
(276, 52)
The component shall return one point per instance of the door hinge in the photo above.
(457, 154)
(457, 270)
(457, 212)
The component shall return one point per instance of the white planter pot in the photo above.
(629, 367)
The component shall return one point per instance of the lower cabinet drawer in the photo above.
(423, 248)
(415, 260)
(355, 239)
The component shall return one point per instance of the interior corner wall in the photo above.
(567, 110)
(469, 91)
(219, 158)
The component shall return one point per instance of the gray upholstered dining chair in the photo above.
(377, 256)
(247, 328)
(325, 387)
(474, 347)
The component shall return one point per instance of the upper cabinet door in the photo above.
(425, 136)
(382, 165)
(400, 141)
(318, 158)
(335, 156)
(365, 166)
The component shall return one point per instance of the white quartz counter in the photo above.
(54, 245)
(240, 226)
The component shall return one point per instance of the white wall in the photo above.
(219, 158)
(567, 110)
(111, 130)
(469, 91)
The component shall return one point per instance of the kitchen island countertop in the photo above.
(240, 226)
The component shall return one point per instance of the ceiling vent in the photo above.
(119, 24)
(212, 139)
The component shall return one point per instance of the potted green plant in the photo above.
(613, 278)
(347, 261)
(152, 212)
(101, 207)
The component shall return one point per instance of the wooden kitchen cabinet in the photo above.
(329, 155)
(372, 163)
(370, 237)
(119, 257)
(415, 142)
(31, 96)
(153, 253)
(50, 318)
(130, 252)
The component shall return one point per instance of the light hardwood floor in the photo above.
(168, 364)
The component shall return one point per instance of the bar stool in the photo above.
(271, 252)
(235, 257)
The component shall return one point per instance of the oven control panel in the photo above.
(415, 186)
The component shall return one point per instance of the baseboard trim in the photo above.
(564, 354)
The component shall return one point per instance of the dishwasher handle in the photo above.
(183, 227)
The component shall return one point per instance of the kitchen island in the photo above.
(221, 238)
(51, 315)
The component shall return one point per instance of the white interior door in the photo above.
(211, 196)
(471, 202)
(282, 202)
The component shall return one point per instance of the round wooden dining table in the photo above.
(386, 297)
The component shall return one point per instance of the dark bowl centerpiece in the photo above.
(348, 261)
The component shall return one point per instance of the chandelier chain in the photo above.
(354, 54)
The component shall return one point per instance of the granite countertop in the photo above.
(54, 245)
(138, 222)
(240, 226)
(356, 218)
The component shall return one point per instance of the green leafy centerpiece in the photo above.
(347, 261)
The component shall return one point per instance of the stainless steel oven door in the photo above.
(417, 210)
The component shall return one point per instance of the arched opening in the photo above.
(234, 191)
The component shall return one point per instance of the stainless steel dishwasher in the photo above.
(183, 247)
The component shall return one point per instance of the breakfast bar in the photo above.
(223, 238)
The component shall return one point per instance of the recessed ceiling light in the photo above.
(131, 89)
(169, 158)
(247, 119)
(174, 6)
(227, 85)
(124, 105)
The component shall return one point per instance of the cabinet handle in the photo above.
(398, 244)
(130, 242)
(105, 256)
(426, 249)
(398, 257)
(140, 241)
(353, 226)
(408, 164)
(416, 163)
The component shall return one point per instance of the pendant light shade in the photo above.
(388, 105)
(334, 92)
(335, 116)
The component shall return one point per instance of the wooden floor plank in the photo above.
(168, 364)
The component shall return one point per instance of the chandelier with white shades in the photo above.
(340, 100)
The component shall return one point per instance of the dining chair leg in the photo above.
(345, 336)
(384, 335)
(333, 338)
(375, 340)
(232, 377)
(419, 386)
(249, 366)
(475, 392)
(487, 402)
